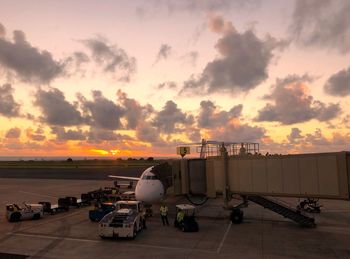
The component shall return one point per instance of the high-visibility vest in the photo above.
(163, 210)
(180, 216)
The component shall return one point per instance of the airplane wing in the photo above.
(124, 177)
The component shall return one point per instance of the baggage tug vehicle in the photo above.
(126, 221)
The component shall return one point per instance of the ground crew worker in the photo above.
(164, 214)
(180, 216)
(242, 150)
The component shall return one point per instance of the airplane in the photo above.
(151, 185)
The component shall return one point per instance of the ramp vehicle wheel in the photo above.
(36, 216)
(134, 233)
(15, 217)
(141, 224)
(236, 216)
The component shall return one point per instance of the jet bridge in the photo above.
(254, 177)
(320, 175)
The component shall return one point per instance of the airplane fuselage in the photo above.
(149, 188)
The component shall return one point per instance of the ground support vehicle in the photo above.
(111, 198)
(310, 205)
(95, 195)
(101, 210)
(74, 202)
(15, 213)
(115, 197)
(129, 196)
(189, 223)
(110, 190)
(101, 195)
(123, 184)
(85, 199)
(126, 221)
(62, 206)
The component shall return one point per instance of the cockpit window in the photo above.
(149, 177)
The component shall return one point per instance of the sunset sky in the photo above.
(138, 78)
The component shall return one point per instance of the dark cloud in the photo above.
(170, 118)
(27, 62)
(235, 132)
(295, 135)
(147, 133)
(210, 116)
(346, 121)
(243, 64)
(195, 135)
(101, 112)
(37, 135)
(291, 103)
(62, 134)
(322, 23)
(194, 6)
(169, 85)
(113, 60)
(8, 107)
(134, 112)
(13, 133)
(81, 57)
(56, 110)
(163, 53)
(317, 142)
(76, 64)
(339, 83)
(316, 139)
(191, 58)
(2, 30)
(99, 135)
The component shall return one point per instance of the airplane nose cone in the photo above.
(149, 191)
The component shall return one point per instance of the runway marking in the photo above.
(101, 241)
(55, 237)
(224, 237)
(62, 231)
(37, 194)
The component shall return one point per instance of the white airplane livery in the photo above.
(149, 188)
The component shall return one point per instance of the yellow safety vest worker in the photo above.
(180, 216)
(163, 210)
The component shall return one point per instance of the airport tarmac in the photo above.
(263, 234)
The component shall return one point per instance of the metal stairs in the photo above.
(283, 210)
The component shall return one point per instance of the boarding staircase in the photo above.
(283, 209)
